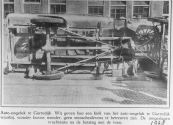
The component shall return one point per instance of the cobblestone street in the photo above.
(82, 89)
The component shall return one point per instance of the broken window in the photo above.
(95, 7)
(118, 9)
(57, 6)
(141, 9)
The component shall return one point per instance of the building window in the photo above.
(57, 6)
(8, 7)
(95, 7)
(32, 6)
(118, 9)
(32, 1)
(141, 9)
(166, 7)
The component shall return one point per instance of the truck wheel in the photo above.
(45, 21)
(145, 33)
(54, 76)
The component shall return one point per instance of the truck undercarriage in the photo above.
(49, 46)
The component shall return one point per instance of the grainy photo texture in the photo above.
(85, 52)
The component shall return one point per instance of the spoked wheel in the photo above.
(145, 34)
(164, 69)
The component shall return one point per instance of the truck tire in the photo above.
(54, 76)
(48, 22)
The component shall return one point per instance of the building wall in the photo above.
(81, 7)
(44, 6)
(106, 8)
(77, 7)
(129, 10)
(18, 6)
(156, 8)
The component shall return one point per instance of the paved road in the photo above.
(82, 89)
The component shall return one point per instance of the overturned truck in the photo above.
(50, 45)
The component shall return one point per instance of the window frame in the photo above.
(94, 5)
(118, 5)
(7, 3)
(140, 5)
(49, 7)
(166, 14)
(31, 2)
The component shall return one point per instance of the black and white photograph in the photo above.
(86, 53)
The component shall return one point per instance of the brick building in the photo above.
(110, 8)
